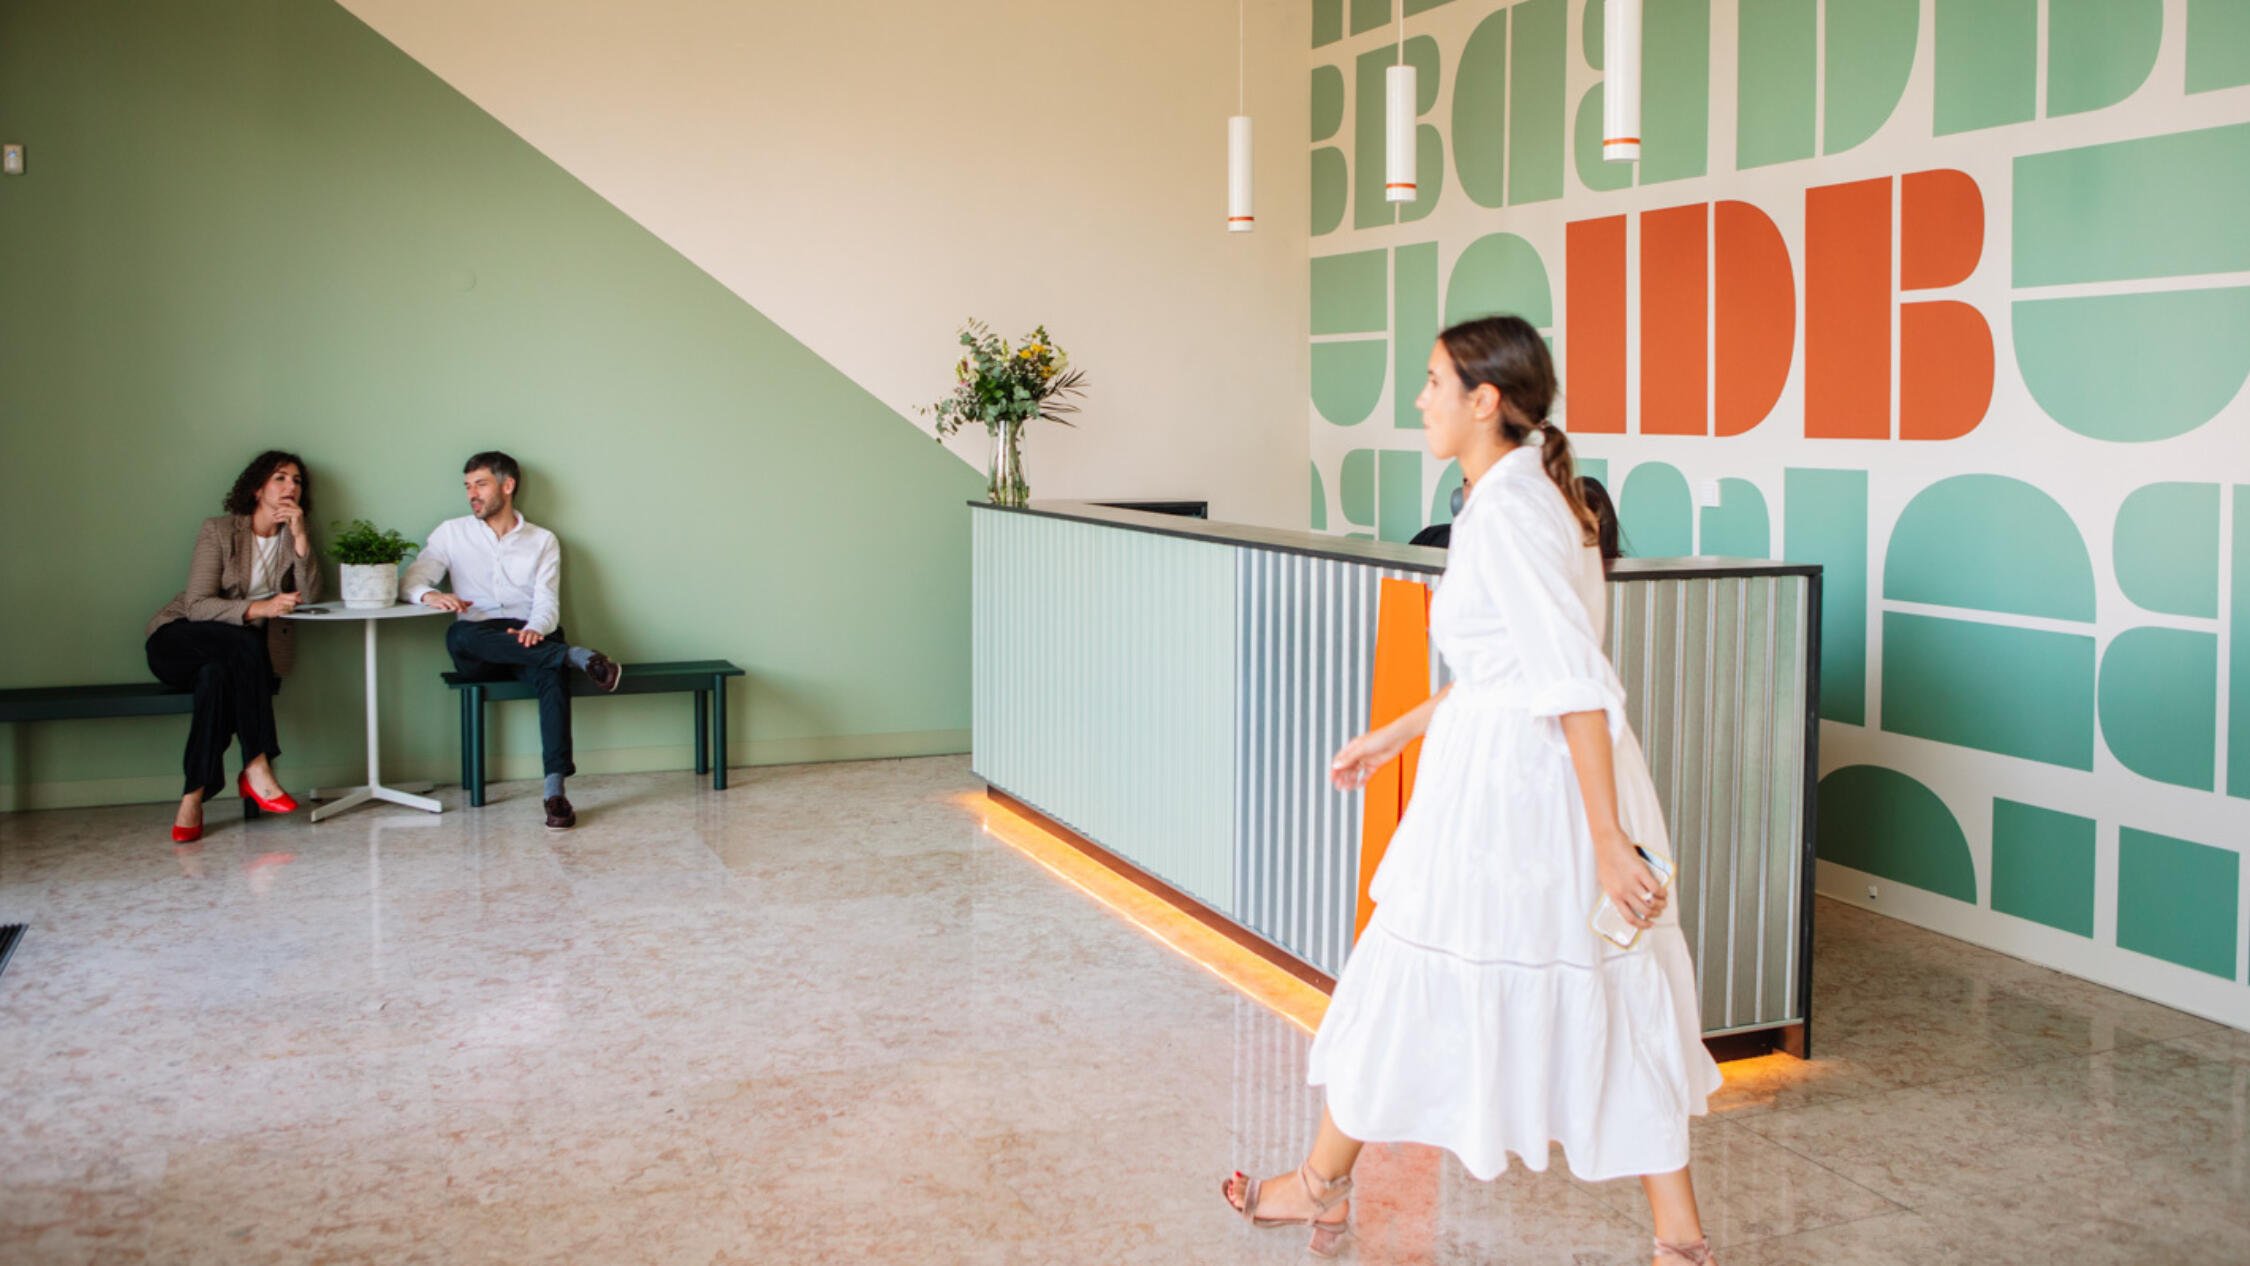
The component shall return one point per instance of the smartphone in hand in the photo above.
(1611, 924)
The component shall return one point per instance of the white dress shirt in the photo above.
(512, 577)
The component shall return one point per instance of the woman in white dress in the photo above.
(1480, 1012)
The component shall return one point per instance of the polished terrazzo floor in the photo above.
(824, 1017)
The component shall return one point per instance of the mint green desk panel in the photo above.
(1104, 691)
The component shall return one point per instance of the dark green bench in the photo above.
(707, 678)
(118, 699)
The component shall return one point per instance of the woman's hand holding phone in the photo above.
(1627, 879)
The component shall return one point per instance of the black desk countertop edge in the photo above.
(1415, 558)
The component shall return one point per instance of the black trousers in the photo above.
(227, 667)
(487, 650)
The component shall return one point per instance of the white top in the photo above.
(512, 577)
(272, 560)
(337, 611)
(1523, 608)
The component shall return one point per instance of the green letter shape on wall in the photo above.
(2160, 704)
(2218, 44)
(2166, 549)
(2018, 692)
(2177, 900)
(1882, 822)
(2134, 369)
(1331, 174)
(1499, 274)
(1776, 79)
(1990, 543)
(1737, 527)
(1824, 521)
(1870, 53)
(2099, 52)
(1656, 512)
(2043, 866)
(1987, 64)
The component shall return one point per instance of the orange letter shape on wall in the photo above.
(1944, 345)
(1594, 325)
(1848, 311)
(1755, 316)
(1401, 680)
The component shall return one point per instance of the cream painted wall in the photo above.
(867, 173)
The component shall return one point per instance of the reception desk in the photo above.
(1169, 691)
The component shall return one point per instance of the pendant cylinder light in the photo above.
(1398, 133)
(1240, 218)
(1621, 81)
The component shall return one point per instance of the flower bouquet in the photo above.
(1004, 388)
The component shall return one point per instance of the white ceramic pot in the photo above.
(373, 585)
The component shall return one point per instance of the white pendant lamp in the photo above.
(1621, 81)
(1398, 123)
(1240, 217)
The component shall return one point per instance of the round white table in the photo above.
(373, 788)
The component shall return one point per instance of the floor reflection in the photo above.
(834, 1014)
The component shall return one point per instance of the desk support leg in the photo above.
(468, 740)
(374, 790)
(718, 733)
(476, 733)
(703, 731)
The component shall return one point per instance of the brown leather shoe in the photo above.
(560, 815)
(605, 671)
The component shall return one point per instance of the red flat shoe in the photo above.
(284, 803)
(186, 834)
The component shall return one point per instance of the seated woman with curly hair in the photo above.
(221, 637)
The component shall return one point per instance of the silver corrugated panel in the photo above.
(1306, 655)
(1714, 674)
(1104, 688)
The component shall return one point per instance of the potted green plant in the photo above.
(1005, 387)
(369, 560)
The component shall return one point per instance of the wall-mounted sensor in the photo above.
(11, 160)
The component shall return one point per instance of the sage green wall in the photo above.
(256, 223)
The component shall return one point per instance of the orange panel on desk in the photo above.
(1401, 680)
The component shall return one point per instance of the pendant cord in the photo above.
(1241, 57)
(1401, 32)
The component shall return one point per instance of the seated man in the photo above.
(507, 582)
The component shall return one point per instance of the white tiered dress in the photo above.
(1479, 1012)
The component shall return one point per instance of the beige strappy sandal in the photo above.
(1696, 1254)
(1327, 1237)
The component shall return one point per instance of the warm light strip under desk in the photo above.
(1247, 973)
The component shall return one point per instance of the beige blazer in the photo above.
(218, 586)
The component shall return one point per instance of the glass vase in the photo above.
(1005, 485)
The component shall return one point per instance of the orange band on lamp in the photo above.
(1622, 140)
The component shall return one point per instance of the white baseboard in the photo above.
(164, 788)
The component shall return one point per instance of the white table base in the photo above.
(373, 789)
